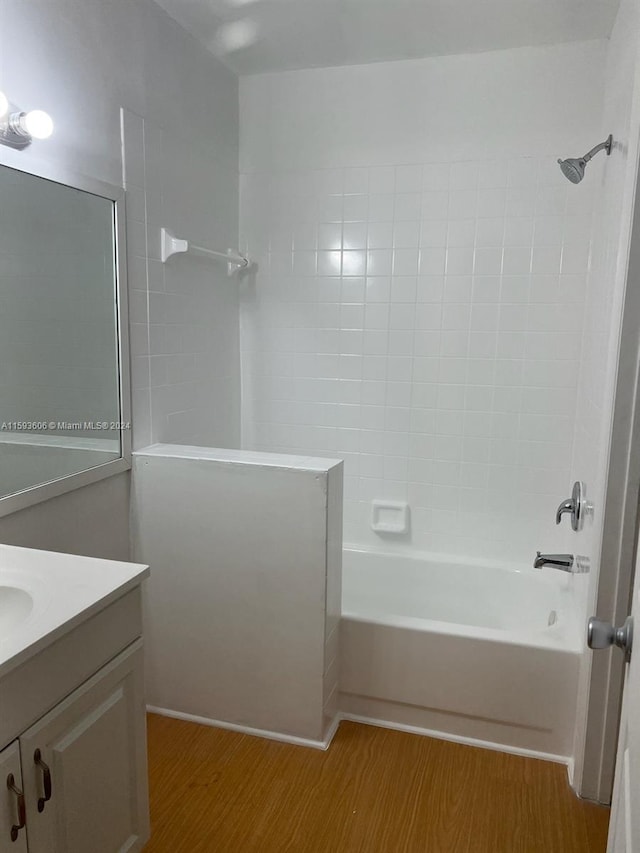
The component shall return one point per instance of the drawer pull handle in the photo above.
(46, 779)
(22, 809)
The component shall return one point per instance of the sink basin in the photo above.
(15, 606)
(46, 594)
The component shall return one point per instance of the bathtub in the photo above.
(469, 651)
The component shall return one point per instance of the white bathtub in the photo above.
(472, 652)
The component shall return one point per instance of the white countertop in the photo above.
(65, 590)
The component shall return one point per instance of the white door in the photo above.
(13, 834)
(84, 766)
(624, 828)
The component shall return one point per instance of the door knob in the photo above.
(601, 635)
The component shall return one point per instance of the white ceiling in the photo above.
(288, 34)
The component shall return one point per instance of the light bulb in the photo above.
(4, 105)
(37, 124)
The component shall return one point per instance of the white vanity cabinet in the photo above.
(84, 766)
(81, 770)
(73, 769)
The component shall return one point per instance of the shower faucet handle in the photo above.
(573, 506)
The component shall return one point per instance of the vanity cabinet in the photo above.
(73, 750)
(82, 768)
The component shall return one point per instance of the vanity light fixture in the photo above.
(18, 129)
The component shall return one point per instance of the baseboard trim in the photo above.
(368, 721)
(247, 730)
(467, 741)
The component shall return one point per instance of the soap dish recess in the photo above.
(390, 517)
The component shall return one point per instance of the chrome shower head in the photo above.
(573, 167)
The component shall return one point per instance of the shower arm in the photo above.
(603, 146)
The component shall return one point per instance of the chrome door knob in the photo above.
(601, 635)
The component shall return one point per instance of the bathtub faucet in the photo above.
(564, 562)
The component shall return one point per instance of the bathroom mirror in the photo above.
(63, 391)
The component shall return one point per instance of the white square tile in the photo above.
(521, 201)
(403, 289)
(380, 235)
(463, 203)
(425, 369)
(435, 205)
(356, 180)
(433, 233)
(462, 232)
(425, 395)
(407, 206)
(435, 176)
(456, 316)
(459, 261)
(464, 175)
(428, 316)
(329, 208)
(405, 262)
(490, 232)
(546, 260)
(457, 288)
(427, 343)
(378, 289)
(402, 316)
(406, 235)
(408, 179)
(400, 342)
(487, 261)
(329, 263)
(432, 261)
(382, 179)
(486, 288)
(353, 263)
(355, 208)
(454, 344)
(330, 236)
(379, 262)
(354, 236)
(492, 173)
(429, 288)
(516, 261)
(381, 207)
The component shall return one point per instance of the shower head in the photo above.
(573, 167)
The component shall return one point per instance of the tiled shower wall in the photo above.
(184, 314)
(422, 320)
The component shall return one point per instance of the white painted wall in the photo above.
(419, 298)
(242, 613)
(82, 60)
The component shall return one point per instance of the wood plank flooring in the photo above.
(373, 791)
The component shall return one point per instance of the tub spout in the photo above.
(564, 562)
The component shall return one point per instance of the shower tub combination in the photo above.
(471, 652)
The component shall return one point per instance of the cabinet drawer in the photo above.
(27, 693)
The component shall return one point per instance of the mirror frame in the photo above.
(50, 489)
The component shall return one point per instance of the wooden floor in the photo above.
(373, 791)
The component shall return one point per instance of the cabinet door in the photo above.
(13, 835)
(84, 766)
